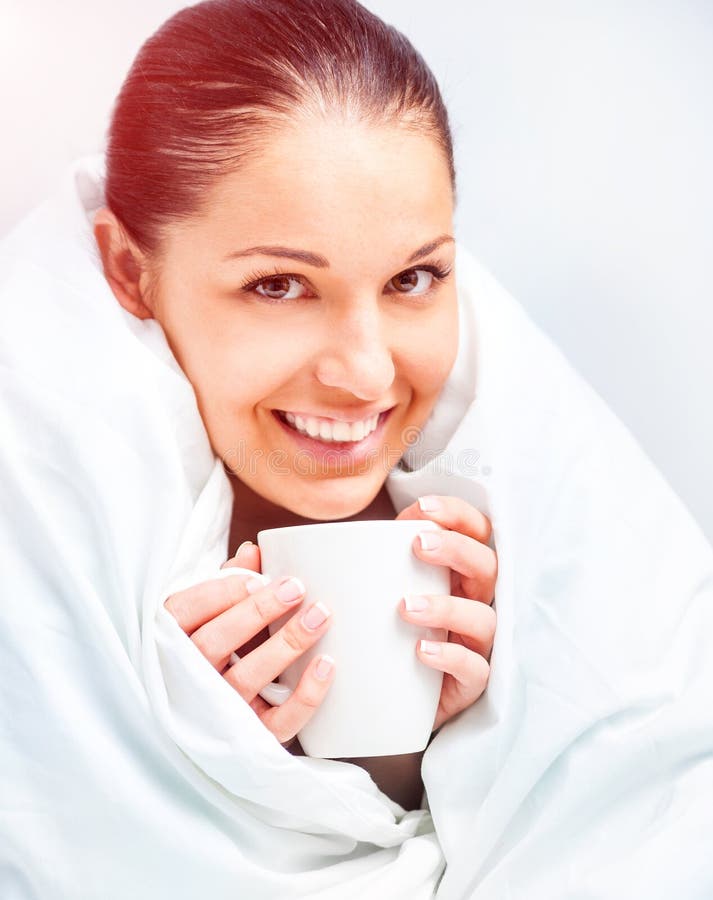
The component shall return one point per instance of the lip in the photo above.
(338, 451)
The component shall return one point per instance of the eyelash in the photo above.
(438, 270)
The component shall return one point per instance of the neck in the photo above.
(252, 513)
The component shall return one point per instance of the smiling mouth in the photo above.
(326, 438)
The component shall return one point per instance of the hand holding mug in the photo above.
(466, 612)
(223, 614)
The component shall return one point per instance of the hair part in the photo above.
(210, 87)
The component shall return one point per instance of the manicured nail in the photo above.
(429, 503)
(324, 666)
(430, 647)
(243, 546)
(290, 589)
(430, 540)
(315, 616)
(415, 602)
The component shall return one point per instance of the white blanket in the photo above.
(130, 769)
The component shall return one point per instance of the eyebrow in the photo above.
(321, 262)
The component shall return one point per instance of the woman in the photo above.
(291, 229)
(149, 372)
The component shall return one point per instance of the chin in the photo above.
(331, 501)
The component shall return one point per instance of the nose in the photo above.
(356, 355)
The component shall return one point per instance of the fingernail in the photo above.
(290, 589)
(430, 540)
(243, 545)
(429, 503)
(315, 616)
(415, 602)
(430, 647)
(324, 666)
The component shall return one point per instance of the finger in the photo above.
(469, 672)
(202, 602)
(475, 623)
(450, 512)
(260, 707)
(476, 563)
(263, 664)
(247, 556)
(260, 605)
(287, 720)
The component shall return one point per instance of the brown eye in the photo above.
(405, 282)
(277, 287)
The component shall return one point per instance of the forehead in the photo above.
(333, 185)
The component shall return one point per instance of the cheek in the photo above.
(430, 354)
(244, 373)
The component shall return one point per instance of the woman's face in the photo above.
(305, 288)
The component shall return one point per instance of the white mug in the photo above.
(382, 700)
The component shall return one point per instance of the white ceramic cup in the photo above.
(383, 699)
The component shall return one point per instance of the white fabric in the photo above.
(130, 769)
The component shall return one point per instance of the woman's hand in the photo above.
(467, 613)
(222, 615)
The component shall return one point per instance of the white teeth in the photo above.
(332, 431)
(341, 431)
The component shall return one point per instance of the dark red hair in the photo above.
(216, 79)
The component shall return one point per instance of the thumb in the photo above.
(412, 511)
(247, 556)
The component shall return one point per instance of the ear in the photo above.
(123, 264)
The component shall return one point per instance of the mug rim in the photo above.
(427, 524)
